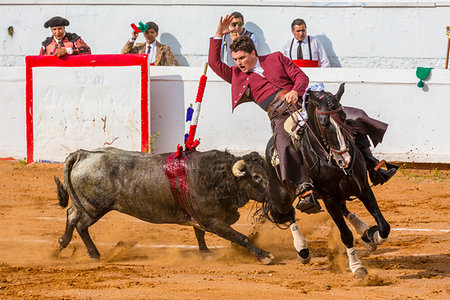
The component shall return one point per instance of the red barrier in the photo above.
(306, 63)
(109, 60)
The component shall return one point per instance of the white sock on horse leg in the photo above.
(353, 260)
(359, 224)
(377, 239)
(299, 239)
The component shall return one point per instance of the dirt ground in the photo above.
(151, 261)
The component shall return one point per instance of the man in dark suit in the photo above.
(274, 82)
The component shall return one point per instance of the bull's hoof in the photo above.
(94, 256)
(62, 243)
(267, 260)
(304, 256)
(360, 273)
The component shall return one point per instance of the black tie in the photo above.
(299, 50)
(148, 49)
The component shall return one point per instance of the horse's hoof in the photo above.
(267, 260)
(371, 247)
(304, 256)
(360, 273)
(367, 236)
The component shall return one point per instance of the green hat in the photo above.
(422, 74)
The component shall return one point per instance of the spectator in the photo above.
(62, 42)
(237, 24)
(159, 54)
(303, 46)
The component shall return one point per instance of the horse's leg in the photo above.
(300, 243)
(336, 213)
(360, 226)
(376, 234)
(200, 235)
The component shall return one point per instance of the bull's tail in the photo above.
(63, 195)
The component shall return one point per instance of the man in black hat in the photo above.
(62, 42)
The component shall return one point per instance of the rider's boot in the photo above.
(308, 202)
(377, 174)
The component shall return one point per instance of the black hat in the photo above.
(56, 21)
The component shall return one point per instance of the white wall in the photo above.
(418, 129)
(356, 34)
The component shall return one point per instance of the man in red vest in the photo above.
(61, 42)
(274, 82)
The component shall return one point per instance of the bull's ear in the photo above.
(340, 92)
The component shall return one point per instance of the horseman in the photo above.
(275, 83)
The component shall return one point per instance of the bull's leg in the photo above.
(376, 234)
(82, 227)
(300, 243)
(361, 228)
(334, 209)
(225, 231)
(200, 235)
(72, 218)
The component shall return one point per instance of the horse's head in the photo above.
(327, 112)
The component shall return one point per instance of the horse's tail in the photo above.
(269, 210)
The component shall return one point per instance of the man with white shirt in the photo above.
(159, 54)
(305, 47)
(61, 42)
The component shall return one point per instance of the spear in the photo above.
(190, 143)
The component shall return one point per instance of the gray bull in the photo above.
(209, 189)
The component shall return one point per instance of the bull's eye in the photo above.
(256, 178)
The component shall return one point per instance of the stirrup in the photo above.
(309, 204)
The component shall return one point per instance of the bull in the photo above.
(199, 189)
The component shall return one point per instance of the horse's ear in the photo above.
(340, 92)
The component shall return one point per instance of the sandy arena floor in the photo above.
(142, 260)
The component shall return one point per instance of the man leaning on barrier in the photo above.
(61, 42)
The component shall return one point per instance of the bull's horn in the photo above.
(238, 167)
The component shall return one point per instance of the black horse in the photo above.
(338, 172)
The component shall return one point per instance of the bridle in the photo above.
(330, 113)
(334, 114)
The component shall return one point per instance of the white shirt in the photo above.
(152, 53)
(317, 50)
(258, 69)
(226, 42)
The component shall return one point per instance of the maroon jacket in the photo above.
(279, 70)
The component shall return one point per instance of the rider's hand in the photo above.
(291, 97)
(224, 26)
(134, 35)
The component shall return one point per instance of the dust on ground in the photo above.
(153, 261)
